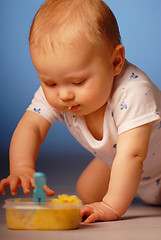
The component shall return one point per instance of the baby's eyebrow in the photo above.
(76, 76)
(43, 78)
(68, 77)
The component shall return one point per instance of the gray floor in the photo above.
(140, 221)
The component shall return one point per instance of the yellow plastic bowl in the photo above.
(60, 213)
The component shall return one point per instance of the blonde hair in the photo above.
(93, 19)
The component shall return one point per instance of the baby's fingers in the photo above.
(32, 182)
(26, 184)
(3, 183)
(13, 182)
(92, 214)
(48, 191)
(86, 212)
(92, 218)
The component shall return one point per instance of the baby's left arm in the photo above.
(132, 147)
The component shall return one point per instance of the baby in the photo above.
(109, 105)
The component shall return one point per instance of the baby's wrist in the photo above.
(110, 208)
(21, 168)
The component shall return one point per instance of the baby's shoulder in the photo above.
(134, 82)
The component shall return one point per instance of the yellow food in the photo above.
(57, 214)
(64, 198)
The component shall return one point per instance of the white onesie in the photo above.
(134, 101)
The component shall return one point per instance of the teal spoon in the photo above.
(39, 192)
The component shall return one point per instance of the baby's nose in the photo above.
(66, 94)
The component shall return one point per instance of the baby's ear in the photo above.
(118, 56)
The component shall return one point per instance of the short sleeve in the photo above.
(136, 104)
(40, 106)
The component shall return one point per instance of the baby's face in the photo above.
(77, 79)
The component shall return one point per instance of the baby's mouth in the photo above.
(74, 108)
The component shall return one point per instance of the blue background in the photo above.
(139, 23)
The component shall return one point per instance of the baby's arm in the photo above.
(24, 148)
(125, 176)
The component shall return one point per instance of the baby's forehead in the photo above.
(64, 45)
(63, 38)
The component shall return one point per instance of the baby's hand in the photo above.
(21, 177)
(98, 211)
(24, 180)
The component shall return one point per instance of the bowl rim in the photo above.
(28, 203)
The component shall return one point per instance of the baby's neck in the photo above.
(95, 122)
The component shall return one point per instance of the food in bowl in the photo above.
(60, 213)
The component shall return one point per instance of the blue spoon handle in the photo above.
(39, 192)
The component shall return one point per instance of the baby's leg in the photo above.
(150, 190)
(92, 185)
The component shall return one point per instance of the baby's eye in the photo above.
(50, 84)
(79, 82)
